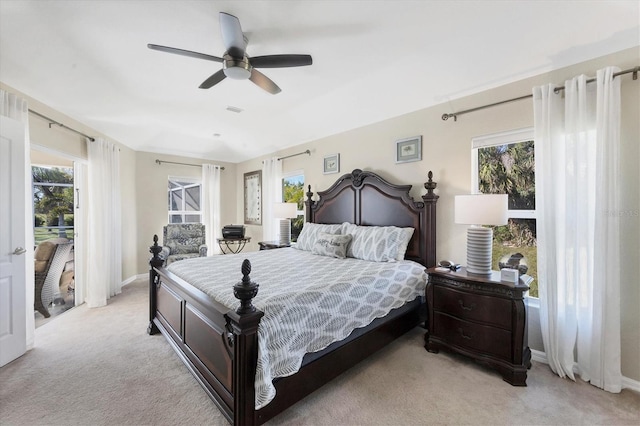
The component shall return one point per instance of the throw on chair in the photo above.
(183, 241)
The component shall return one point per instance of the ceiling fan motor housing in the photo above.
(236, 68)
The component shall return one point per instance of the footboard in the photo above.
(218, 345)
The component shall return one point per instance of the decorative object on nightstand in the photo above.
(514, 261)
(481, 317)
(285, 212)
(477, 210)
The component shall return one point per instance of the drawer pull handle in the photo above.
(464, 336)
(466, 308)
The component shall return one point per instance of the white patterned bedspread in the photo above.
(309, 301)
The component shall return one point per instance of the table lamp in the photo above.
(477, 210)
(285, 212)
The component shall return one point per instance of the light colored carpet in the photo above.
(99, 367)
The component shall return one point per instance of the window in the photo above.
(184, 200)
(52, 202)
(293, 192)
(504, 163)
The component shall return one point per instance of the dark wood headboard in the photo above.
(364, 198)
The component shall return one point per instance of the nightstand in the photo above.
(270, 245)
(480, 317)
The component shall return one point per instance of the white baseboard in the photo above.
(134, 278)
(627, 383)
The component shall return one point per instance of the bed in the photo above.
(219, 335)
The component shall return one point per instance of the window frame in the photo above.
(496, 139)
(192, 183)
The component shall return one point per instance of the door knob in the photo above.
(19, 250)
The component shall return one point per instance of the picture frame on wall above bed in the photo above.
(219, 345)
(409, 149)
(331, 164)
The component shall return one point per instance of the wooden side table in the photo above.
(480, 317)
(232, 245)
(270, 245)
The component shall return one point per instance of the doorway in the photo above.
(54, 235)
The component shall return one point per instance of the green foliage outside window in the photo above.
(52, 202)
(293, 192)
(510, 169)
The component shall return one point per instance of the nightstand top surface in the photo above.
(463, 275)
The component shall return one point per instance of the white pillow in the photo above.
(333, 245)
(309, 234)
(377, 243)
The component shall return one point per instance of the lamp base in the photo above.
(285, 232)
(479, 249)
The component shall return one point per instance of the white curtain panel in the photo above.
(211, 206)
(104, 239)
(577, 145)
(271, 194)
(16, 108)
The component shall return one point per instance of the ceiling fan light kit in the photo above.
(238, 69)
(235, 62)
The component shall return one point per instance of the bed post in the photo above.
(155, 262)
(430, 200)
(244, 324)
(309, 203)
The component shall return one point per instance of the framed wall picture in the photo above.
(331, 164)
(409, 149)
(253, 198)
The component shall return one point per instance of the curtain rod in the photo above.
(159, 162)
(455, 115)
(52, 121)
(295, 155)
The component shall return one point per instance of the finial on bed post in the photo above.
(245, 290)
(430, 185)
(156, 262)
(309, 204)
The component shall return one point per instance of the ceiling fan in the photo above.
(236, 63)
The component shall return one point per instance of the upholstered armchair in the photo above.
(182, 241)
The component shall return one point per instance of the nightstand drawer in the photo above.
(474, 307)
(485, 339)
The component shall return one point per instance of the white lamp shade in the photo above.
(285, 210)
(481, 209)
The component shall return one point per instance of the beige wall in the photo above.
(151, 182)
(447, 152)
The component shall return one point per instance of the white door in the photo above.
(13, 338)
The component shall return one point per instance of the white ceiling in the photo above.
(372, 60)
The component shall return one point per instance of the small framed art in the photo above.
(331, 164)
(409, 149)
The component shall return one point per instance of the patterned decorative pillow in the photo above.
(403, 244)
(309, 234)
(332, 245)
(377, 243)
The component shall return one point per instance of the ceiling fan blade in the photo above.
(232, 36)
(280, 61)
(264, 82)
(183, 52)
(213, 80)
